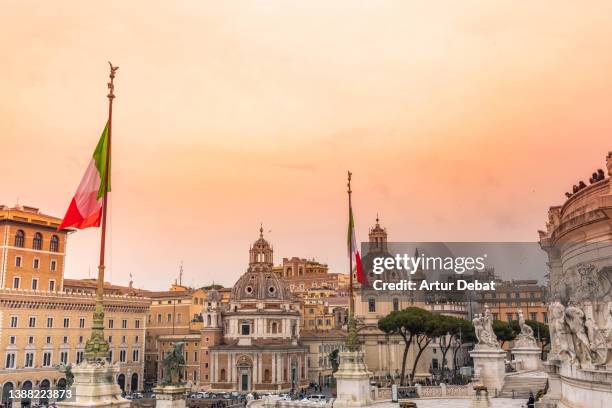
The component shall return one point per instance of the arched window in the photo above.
(19, 238)
(222, 375)
(54, 244)
(37, 241)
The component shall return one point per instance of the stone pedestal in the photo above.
(480, 399)
(352, 380)
(95, 386)
(170, 396)
(489, 367)
(529, 358)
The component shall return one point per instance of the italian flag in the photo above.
(354, 251)
(85, 209)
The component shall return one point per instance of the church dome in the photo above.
(258, 285)
(260, 282)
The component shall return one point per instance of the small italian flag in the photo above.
(85, 209)
(354, 251)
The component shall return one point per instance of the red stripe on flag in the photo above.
(74, 219)
(361, 278)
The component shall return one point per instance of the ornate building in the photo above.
(253, 343)
(578, 240)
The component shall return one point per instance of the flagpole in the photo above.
(352, 340)
(351, 301)
(97, 347)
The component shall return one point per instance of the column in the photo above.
(273, 368)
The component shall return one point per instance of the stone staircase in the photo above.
(519, 385)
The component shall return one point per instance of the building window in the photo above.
(137, 323)
(29, 360)
(12, 339)
(81, 323)
(32, 322)
(395, 304)
(46, 359)
(122, 356)
(245, 329)
(66, 322)
(64, 357)
(54, 244)
(135, 355)
(110, 356)
(169, 317)
(19, 238)
(533, 316)
(222, 375)
(16, 282)
(545, 317)
(49, 322)
(65, 340)
(51, 286)
(79, 357)
(509, 317)
(34, 283)
(18, 261)
(372, 305)
(178, 318)
(124, 324)
(31, 340)
(48, 340)
(111, 323)
(37, 241)
(53, 266)
(14, 321)
(36, 263)
(10, 360)
(159, 318)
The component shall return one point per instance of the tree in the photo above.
(408, 323)
(466, 334)
(433, 326)
(503, 331)
(448, 328)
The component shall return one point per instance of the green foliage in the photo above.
(503, 331)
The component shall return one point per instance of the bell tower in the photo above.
(378, 237)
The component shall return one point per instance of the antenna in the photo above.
(181, 274)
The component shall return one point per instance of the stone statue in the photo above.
(574, 317)
(525, 337)
(609, 163)
(483, 325)
(173, 364)
(598, 344)
(561, 343)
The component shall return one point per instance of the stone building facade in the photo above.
(40, 330)
(32, 251)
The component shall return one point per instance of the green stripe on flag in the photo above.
(99, 157)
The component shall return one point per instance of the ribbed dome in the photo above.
(258, 285)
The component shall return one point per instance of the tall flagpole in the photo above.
(97, 347)
(352, 340)
(351, 301)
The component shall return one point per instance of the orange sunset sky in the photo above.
(461, 120)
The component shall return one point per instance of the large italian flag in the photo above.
(354, 251)
(85, 209)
